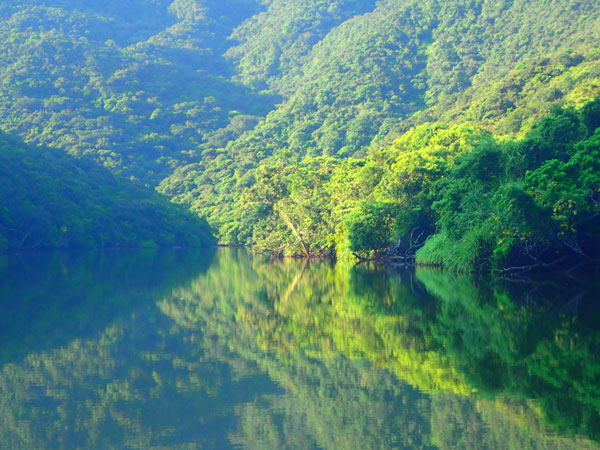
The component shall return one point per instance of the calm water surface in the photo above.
(182, 349)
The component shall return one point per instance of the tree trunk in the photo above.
(290, 224)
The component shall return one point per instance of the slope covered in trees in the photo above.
(200, 98)
(378, 73)
(483, 201)
(49, 199)
(138, 85)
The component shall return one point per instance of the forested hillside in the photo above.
(484, 201)
(202, 99)
(128, 83)
(49, 199)
(498, 64)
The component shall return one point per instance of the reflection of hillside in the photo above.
(331, 402)
(321, 310)
(145, 383)
(335, 403)
(461, 423)
(296, 313)
(140, 385)
(525, 343)
(259, 354)
(48, 299)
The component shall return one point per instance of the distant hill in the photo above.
(50, 199)
(136, 85)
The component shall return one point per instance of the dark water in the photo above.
(183, 349)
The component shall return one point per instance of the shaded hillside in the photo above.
(138, 87)
(49, 199)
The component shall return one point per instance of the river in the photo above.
(189, 349)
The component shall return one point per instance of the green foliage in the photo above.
(52, 200)
(370, 227)
(195, 97)
(528, 203)
(131, 85)
(591, 115)
(364, 206)
(354, 75)
(494, 202)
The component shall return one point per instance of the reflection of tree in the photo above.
(528, 349)
(194, 371)
(331, 401)
(335, 403)
(49, 299)
(140, 384)
(461, 423)
(296, 314)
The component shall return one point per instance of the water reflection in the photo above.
(172, 350)
(47, 299)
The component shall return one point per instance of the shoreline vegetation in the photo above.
(456, 197)
(458, 134)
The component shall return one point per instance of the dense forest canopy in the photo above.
(49, 199)
(455, 133)
(206, 100)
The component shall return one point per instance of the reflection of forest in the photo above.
(519, 358)
(468, 365)
(47, 299)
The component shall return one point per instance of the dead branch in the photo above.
(528, 268)
(290, 224)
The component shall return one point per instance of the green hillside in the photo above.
(501, 65)
(198, 98)
(49, 199)
(132, 86)
(482, 200)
